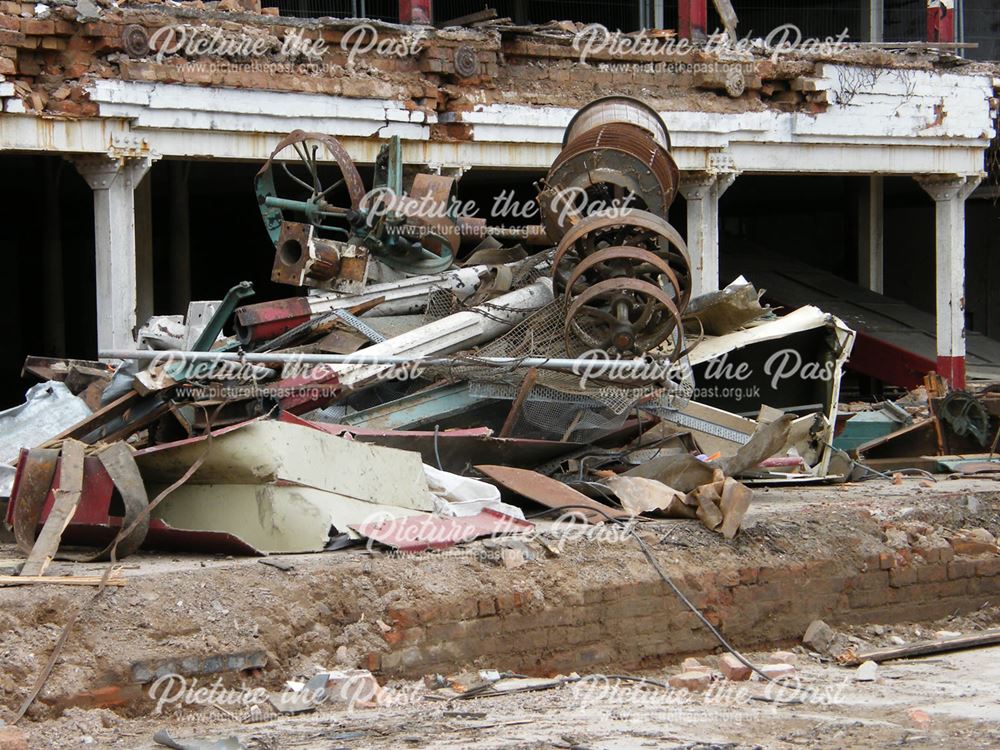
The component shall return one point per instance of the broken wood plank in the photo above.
(728, 16)
(67, 497)
(924, 648)
(486, 14)
(60, 580)
(110, 412)
(515, 408)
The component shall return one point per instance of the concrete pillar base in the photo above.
(949, 193)
(114, 182)
(702, 191)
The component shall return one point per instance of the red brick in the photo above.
(373, 661)
(988, 567)
(37, 28)
(486, 607)
(394, 637)
(508, 602)
(887, 560)
(404, 618)
(106, 697)
(777, 671)
(99, 29)
(931, 573)
(13, 738)
(961, 569)
(690, 681)
(902, 576)
(10, 22)
(733, 669)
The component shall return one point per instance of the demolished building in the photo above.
(472, 303)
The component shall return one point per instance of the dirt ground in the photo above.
(202, 603)
(948, 700)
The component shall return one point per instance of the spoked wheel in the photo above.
(309, 178)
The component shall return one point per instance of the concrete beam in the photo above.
(949, 194)
(114, 182)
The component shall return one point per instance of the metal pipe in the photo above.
(619, 368)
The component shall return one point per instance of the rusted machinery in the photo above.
(340, 226)
(622, 270)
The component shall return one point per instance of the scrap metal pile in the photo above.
(442, 377)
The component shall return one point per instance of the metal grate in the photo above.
(814, 18)
(383, 10)
(614, 14)
(982, 25)
(905, 21)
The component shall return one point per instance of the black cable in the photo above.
(648, 553)
(437, 453)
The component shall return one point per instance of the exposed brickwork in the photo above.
(52, 58)
(641, 623)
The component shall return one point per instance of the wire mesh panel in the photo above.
(615, 14)
(814, 18)
(904, 20)
(383, 10)
(982, 25)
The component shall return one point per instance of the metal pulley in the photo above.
(622, 270)
(625, 280)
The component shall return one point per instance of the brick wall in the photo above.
(49, 60)
(634, 624)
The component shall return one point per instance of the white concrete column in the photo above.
(949, 193)
(113, 182)
(702, 191)
(871, 229)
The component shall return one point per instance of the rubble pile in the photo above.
(442, 379)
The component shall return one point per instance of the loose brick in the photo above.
(13, 738)
(777, 671)
(691, 664)
(693, 681)
(733, 669)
